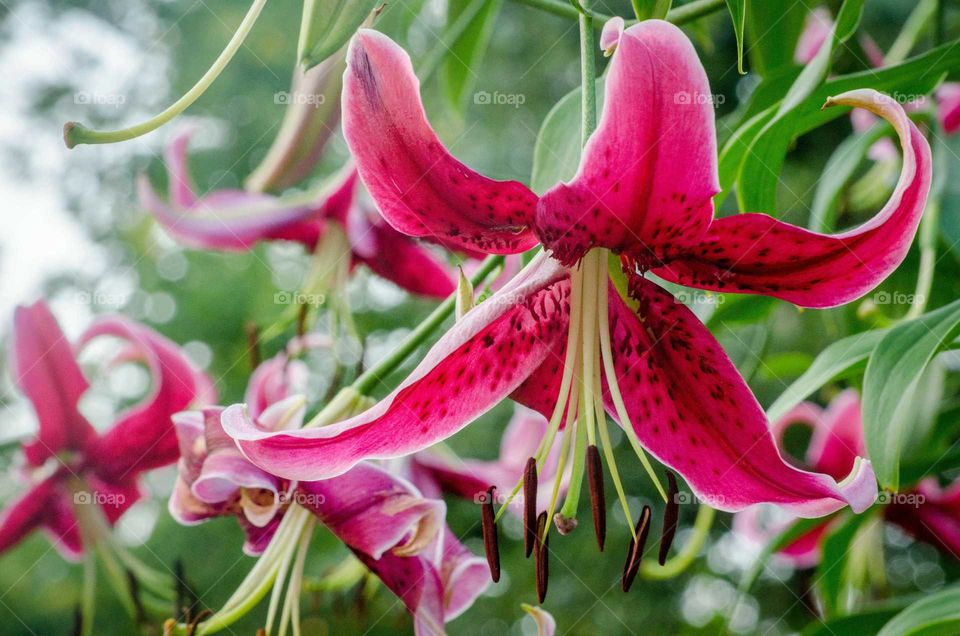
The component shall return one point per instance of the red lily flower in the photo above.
(643, 191)
(237, 219)
(82, 466)
(926, 512)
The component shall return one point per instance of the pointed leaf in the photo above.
(832, 573)
(738, 13)
(938, 613)
(839, 357)
(459, 72)
(891, 381)
(327, 25)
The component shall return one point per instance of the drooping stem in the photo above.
(75, 134)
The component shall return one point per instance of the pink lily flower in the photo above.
(73, 463)
(644, 191)
(385, 521)
(928, 512)
(235, 220)
(435, 473)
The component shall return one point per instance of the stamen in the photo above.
(635, 553)
(670, 517)
(610, 373)
(192, 627)
(489, 526)
(598, 503)
(542, 556)
(529, 506)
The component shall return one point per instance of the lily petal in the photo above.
(46, 370)
(491, 351)
(757, 254)
(649, 172)
(35, 509)
(373, 511)
(399, 259)
(416, 582)
(143, 437)
(694, 412)
(948, 106)
(463, 574)
(817, 27)
(804, 552)
(420, 188)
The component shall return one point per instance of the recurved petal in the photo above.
(374, 512)
(178, 172)
(948, 106)
(417, 584)
(463, 574)
(35, 508)
(692, 410)
(482, 359)
(144, 437)
(45, 369)
(400, 259)
(420, 188)
(649, 172)
(757, 254)
(755, 525)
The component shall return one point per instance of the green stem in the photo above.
(678, 564)
(372, 377)
(75, 133)
(678, 15)
(88, 600)
(588, 77)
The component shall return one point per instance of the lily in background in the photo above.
(82, 480)
(72, 466)
(560, 338)
(391, 528)
(927, 512)
(335, 223)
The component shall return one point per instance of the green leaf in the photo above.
(890, 384)
(458, 74)
(650, 9)
(868, 621)
(935, 614)
(556, 154)
(838, 358)
(838, 554)
(773, 28)
(759, 173)
(327, 25)
(838, 172)
(738, 13)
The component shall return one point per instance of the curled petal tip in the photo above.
(611, 34)
(860, 486)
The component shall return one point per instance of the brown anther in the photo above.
(598, 502)
(261, 631)
(169, 626)
(565, 525)
(635, 552)
(529, 506)
(489, 526)
(541, 556)
(253, 343)
(670, 517)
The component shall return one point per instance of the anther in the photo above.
(635, 553)
(598, 502)
(489, 525)
(529, 506)
(670, 517)
(542, 556)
